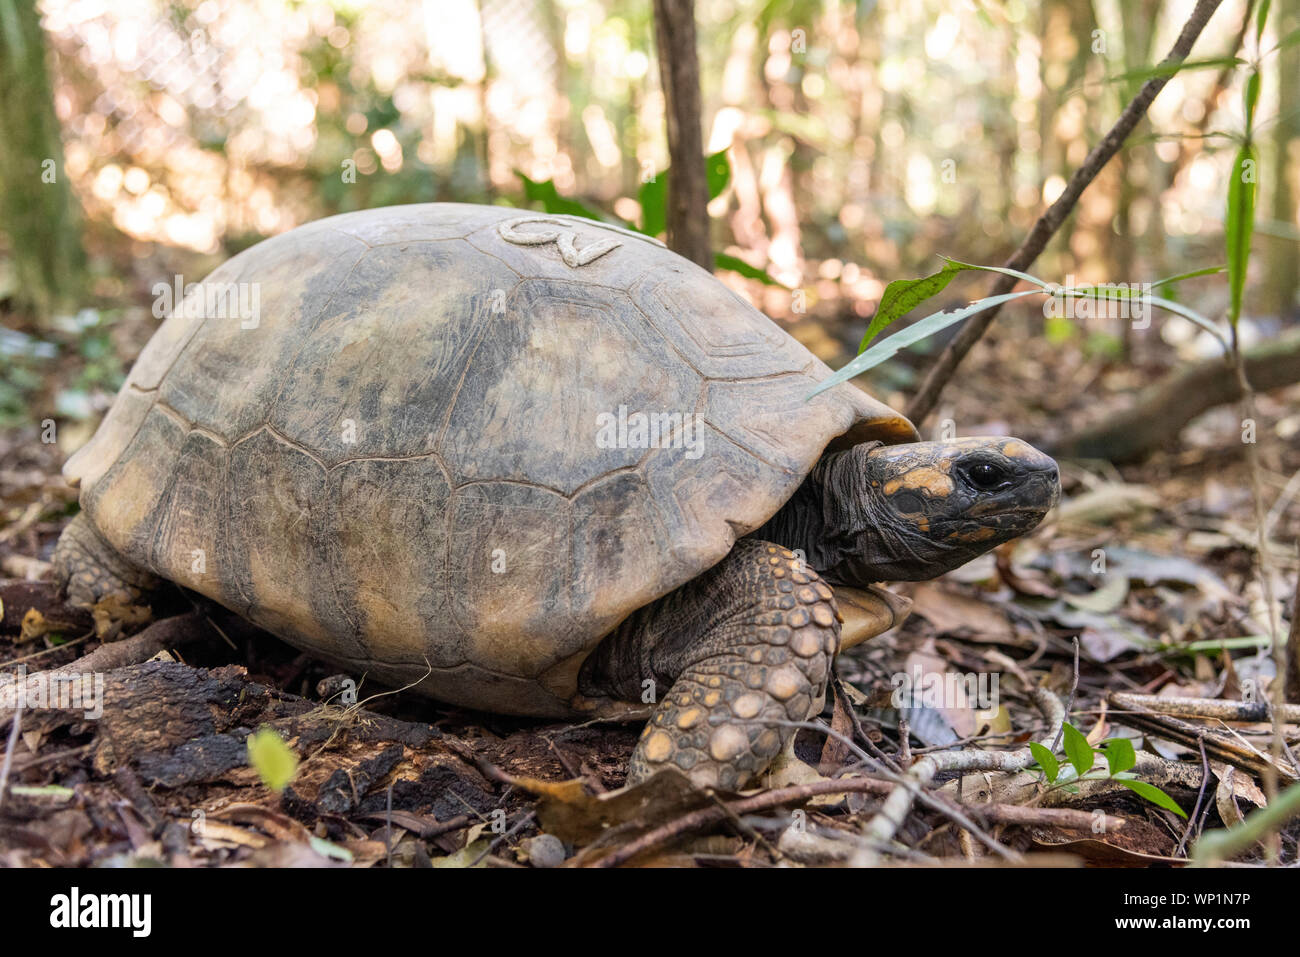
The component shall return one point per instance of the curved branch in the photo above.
(936, 379)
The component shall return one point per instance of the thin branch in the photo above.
(9, 753)
(937, 378)
(1200, 796)
(898, 805)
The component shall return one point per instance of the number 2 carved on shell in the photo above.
(562, 234)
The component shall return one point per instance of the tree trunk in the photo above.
(38, 212)
(688, 188)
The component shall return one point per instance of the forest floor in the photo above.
(1151, 567)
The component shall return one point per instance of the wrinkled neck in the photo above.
(826, 519)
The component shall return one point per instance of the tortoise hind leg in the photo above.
(748, 643)
(88, 569)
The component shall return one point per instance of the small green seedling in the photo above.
(273, 760)
(1120, 758)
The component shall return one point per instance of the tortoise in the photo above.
(528, 464)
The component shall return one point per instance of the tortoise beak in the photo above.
(1043, 481)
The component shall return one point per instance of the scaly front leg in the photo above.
(749, 642)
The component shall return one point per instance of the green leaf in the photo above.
(1153, 794)
(1046, 760)
(273, 760)
(1005, 270)
(12, 33)
(1261, 18)
(45, 790)
(1168, 280)
(1219, 644)
(1250, 99)
(544, 192)
(1239, 224)
(738, 265)
(718, 169)
(921, 329)
(1119, 755)
(653, 197)
(1078, 750)
(1058, 330)
(325, 849)
(1290, 40)
(903, 295)
(1163, 69)
(1191, 315)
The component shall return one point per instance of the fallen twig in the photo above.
(950, 809)
(1047, 816)
(706, 816)
(1200, 796)
(898, 804)
(1218, 745)
(1293, 650)
(1201, 707)
(1022, 786)
(9, 753)
(161, 635)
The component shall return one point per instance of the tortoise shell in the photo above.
(418, 454)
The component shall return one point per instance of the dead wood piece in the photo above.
(707, 816)
(1217, 744)
(1199, 707)
(77, 682)
(1048, 817)
(345, 788)
(1021, 787)
(168, 633)
(176, 725)
(17, 597)
(1163, 409)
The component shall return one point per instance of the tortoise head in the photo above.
(912, 512)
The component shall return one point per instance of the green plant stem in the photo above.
(1222, 844)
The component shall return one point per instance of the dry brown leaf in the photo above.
(951, 611)
(215, 835)
(933, 690)
(35, 626)
(274, 823)
(566, 810)
(1101, 854)
(114, 614)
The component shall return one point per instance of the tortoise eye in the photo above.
(988, 477)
